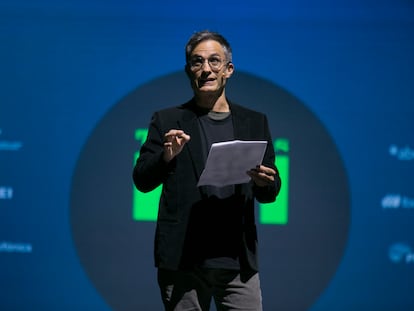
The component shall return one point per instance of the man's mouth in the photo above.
(205, 81)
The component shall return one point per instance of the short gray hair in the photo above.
(205, 35)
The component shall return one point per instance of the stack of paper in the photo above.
(228, 162)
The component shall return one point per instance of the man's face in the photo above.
(208, 68)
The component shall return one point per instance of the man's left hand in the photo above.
(262, 175)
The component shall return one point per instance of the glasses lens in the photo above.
(215, 63)
(196, 63)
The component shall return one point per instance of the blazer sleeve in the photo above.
(150, 169)
(268, 193)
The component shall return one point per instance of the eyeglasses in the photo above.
(215, 63)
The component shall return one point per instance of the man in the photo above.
(206, 240)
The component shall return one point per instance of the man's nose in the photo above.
(205, 63)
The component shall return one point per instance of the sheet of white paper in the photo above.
(228, 162)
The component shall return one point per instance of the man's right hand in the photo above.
(174, 141)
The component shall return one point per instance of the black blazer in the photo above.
(179, 178)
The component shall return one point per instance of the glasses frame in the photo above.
(214, 68)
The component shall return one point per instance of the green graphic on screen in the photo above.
(145, 205)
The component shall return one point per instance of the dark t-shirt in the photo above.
(222, 238)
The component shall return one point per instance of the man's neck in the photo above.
(212, 102)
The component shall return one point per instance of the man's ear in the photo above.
(229, 70)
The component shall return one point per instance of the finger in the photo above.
(171, 134)
(263, 173)
(176, 134)
(185, 137)
(260, 180)
(267, 170)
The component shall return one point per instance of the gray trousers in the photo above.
(193, 290)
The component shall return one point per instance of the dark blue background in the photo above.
(64, 64)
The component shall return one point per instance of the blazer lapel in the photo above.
(189, 124)
(241, 124)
